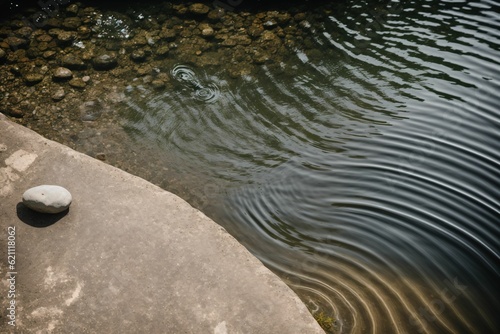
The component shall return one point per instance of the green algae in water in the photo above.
(326, 322)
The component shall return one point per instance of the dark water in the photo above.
(365, 172)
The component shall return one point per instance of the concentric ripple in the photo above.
(365, 172)
(206, 92)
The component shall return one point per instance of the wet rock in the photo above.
(16, 70)
(72, 23)
(59, 94)
(268, 36)
(72, 10)
(260, 57)
(216, 14)
(206, 30)
(77, 83)
(168, 34)
(62, 73)
(299, 17)
(47, 199)
(113, 45)
(5, 32)
(44, 38)
(255, 30)
(105, 61)
(13, 112)
(32, 53)
(237, 40)
(270, 24)
(283, 18)
(53, 22)
(16, 42)
(144, 70)
(73, 62)
(48, 54)
(138, 55)
(24, 32)
(2, 54)
(158, 84)
(162, 51)
(66, 37)
(32, 78)
(84, 32)
(199, 9)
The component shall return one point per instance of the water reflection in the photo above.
(365, 170)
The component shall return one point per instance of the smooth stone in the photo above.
(47, 199)
(33, 78)
(62, 73)
(73, 62)
(59, 94)
(105, 61)
(77, 83)
(199, 8)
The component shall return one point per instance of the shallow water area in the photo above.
(360, 162)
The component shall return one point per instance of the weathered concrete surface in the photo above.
(128, 257)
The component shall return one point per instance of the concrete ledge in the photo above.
(128, 257)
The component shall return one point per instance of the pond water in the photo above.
(366, 174)
(365, 171)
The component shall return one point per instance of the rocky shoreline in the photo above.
(63, 72)
(66, 73)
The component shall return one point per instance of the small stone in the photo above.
(86, 78)
(105, 61)
(162, 51)
(62, 73)
(77, 83)
(47, 199)
(84, 32)
(48, 54)
(32, 78)
(72, 9)
(73, 62)
(299, 17)
(2, 54)
(255, 30)
(44, 38)
(16, 42)
(24, 32)
(138, 55)
(199, 9)
(216, 14)
(101, 156)
(207, 32)
(268, 36)
(66, 37)
(59, 94)
(269, 24)
(72, 23)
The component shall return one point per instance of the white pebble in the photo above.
(47, 199)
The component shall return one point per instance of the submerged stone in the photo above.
(105, 61)
(62, 73)
(47, 199)
(32, 78)
(199, 8)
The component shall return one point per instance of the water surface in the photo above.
(364, 170)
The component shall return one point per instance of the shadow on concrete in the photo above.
(37, 219)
